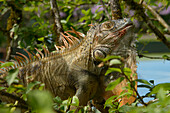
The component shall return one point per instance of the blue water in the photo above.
(157, 70)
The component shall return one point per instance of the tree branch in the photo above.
(140, 10)
(159, 18)
(14, 18)
(116, 10)
(56, 16)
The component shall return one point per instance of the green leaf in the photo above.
(15, 28)
(82, 19)
(123, 94)
(75, 101)
(127, 71)
(114, 62)
(145, 86)
(58, 100)
(161, 94)
(111, 57)
(109, 101)
(165, 86)
(151, 81)
(11, 89)
(143, 81)
(63, 21)
(1, 88)
(110, 70)
(31, 85)
(84, 11)
(15, 37)
(11, 76)
(42, 85)
(40, 101)
(68, 18)
(66, 104)
(126, 109)
(113, 84)
(165, 56)
(88, 11)
(6, 64)
(41, 39)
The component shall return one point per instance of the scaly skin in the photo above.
(74, 71)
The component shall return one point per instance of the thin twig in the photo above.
(108, 16)
(150, 57)
(131, 84)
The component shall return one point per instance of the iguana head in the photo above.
(109, 36)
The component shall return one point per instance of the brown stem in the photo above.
(141, 12)
(116, 10)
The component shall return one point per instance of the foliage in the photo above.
(36, 29)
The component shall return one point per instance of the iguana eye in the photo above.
(108, 25)
(97, 54)
(100, 52)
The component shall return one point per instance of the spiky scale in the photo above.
(46, 51)
(29, 54)
(23, 56)
(42, 55)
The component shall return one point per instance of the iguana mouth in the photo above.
(126, 27)
(122, 31)
(120, 35)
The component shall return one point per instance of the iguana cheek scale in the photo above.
(72, 70)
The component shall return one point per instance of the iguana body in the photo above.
(74, 71)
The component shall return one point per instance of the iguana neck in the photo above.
(83, 57)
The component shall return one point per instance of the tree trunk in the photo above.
(116, 10)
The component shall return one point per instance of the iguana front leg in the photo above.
(86, 86)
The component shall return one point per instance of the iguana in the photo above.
(73, 70)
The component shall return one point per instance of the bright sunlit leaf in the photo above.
(11, 76)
